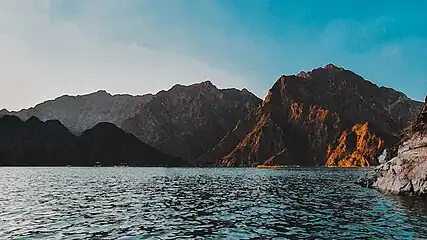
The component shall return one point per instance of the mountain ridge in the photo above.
(49, 143)
(186, 121)
(325, 111)
(82, 112)
(302, 116)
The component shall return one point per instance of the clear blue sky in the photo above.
(238, 43)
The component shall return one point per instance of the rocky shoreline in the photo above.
(406, 172)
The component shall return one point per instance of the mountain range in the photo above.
(37, 143)
(328, 116)
(79, 113)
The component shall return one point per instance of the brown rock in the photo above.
(187, 121)
(360, 147)
(303, 116)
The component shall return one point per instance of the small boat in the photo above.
(274, 167)
(121, 165)
(97, 164)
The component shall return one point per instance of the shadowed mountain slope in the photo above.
(37, 143)
(186, 121)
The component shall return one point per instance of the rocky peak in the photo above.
(206, 83)
(246, 91)
(331, 66)
(33, 120)
(303, 74)
(206, 86)
(100, 93)
(10, 120)
(4, 112)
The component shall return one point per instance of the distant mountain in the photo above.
(187, 121)
(35, 143)
(38, 143)
(79, 113)
(328, 116)
(4, 112)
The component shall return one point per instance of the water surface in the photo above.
(172, 203)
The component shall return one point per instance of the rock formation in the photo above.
(328, 116)
(406, 172)
(186, 121)
(79, 113)
(37, 143)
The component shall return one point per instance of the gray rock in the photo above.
(367, 180)
(406, 174)
(382, 157)
(79, 113)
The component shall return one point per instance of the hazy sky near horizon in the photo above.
(51, 48)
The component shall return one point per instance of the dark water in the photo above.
(159, 203)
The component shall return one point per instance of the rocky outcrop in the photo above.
(79, 113)
(329, 116)
(38, 143)
(406, 172)
(359, 147)
(186, 121)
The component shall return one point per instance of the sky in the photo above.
(50, 48)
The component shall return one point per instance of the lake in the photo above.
(201, 203)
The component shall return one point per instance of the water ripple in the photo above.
(161, 203)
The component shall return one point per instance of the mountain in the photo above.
(111, 145)
(187, 121)
(79, 113)
(4, 112)
(37, 143)
(406, 172)
(328, 116)
(34, 142)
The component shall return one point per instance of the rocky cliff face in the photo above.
(79, 113)
(358, 147)
(329, 116)
(406, 172)
(186, 121)
(37, 143)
